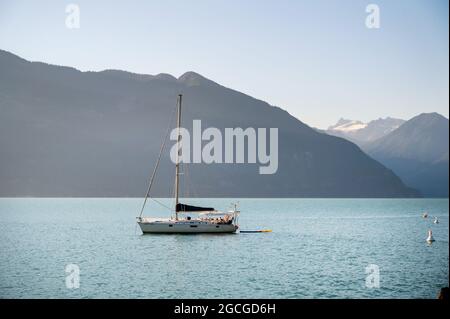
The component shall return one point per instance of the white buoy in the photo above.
(436, 220)
(430, 238)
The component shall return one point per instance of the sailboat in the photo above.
(187, 218)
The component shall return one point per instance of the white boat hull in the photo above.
(187, 227)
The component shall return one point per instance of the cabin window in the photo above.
(170, 225)
(217, 226)
(193, 225)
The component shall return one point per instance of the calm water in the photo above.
(319, 248)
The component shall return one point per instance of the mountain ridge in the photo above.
(418, 152)
(96, 134)
(394, 143)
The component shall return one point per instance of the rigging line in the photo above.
(169, 208)
(192, 188)
(180, 165)
(189, 185)
(186, 181)
(157, 163)
(183, 182)
(173, 196)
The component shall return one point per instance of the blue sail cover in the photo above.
(188, 208)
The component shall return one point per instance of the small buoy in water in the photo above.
(425, 215)
(430, 238)
(436, 220)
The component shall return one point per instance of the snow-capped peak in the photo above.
(344, 125)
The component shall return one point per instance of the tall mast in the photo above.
(177, 166)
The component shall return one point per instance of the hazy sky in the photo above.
(316, 59)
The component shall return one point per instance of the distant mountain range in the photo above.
(69, 133)
(363, 133)
(418, 152)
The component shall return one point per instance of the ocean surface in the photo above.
(319, 248)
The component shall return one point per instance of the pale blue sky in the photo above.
(316, 59)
